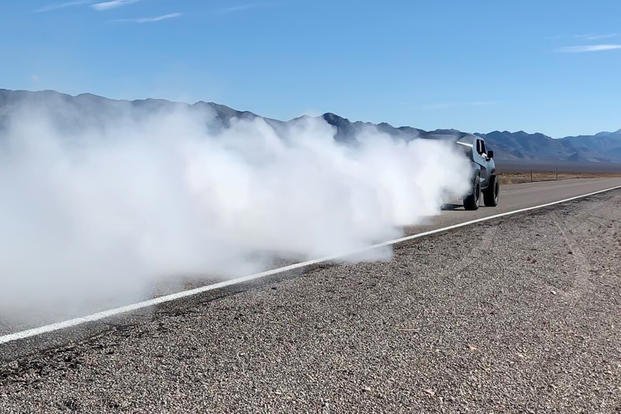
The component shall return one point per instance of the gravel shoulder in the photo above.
(520, 314)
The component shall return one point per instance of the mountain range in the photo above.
(516, 149)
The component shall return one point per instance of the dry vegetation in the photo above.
(528, 176)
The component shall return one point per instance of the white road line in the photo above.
(192, 292)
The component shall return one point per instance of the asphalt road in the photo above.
(519, 196)
(516, 314)
(513, 197)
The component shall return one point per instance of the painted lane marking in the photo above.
(192, 292)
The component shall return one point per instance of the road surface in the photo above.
(514, 197)
(519, 196)
(516, 314)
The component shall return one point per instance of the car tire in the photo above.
(471, 201)
(492, 193)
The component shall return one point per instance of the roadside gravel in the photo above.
(521, 314)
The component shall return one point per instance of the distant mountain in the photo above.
(347, 130)
(511, 148)
(604, 147)
(514, 148)
(73, 112)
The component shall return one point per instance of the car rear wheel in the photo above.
(471, 201)
(492, 192)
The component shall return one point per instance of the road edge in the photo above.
(98, 316)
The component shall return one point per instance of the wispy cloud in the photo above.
(57, 6)
(149, 19)
(112, 4)
(596, 36)
(449, 105)
(588, 48)
(241, 8)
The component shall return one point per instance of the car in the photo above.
(484, 178)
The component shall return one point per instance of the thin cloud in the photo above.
(596, 36)
(150, 19)
(241, 8)
(112, 4)
(588, 48)
(57, 6)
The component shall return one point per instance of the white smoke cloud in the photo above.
(97, 214)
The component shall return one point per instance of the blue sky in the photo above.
(549, 66)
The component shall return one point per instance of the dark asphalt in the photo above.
(513, 197)
(518, 196)
(520, 314)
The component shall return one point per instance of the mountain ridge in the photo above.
(515, 147)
